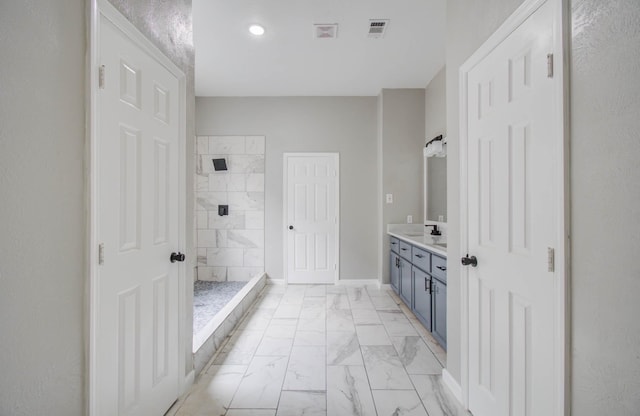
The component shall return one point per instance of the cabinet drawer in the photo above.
(405, 250)
(421, 259)
(439, 268)
(395, 244)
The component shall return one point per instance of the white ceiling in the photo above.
(288, 61)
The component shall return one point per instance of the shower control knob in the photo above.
(177, 257)
(291, 227)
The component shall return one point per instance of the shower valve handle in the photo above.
(177, 257)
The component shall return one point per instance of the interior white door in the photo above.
(513, 184)
(138, 225)
(312, 218)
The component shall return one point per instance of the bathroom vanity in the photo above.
(419, 276)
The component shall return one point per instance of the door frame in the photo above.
(562, 349)
(285, 208)
(98, 9)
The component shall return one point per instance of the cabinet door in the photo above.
(395, 272)
(439, 310)
(422, 297)
(405, 281)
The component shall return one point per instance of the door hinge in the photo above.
(549, 65)
(335, 267)
(551, 259)
(101, 77)
(101, 254)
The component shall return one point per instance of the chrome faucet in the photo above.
(435, 230)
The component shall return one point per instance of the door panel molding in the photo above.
(99, 10)
(285, 209)
(562, 347)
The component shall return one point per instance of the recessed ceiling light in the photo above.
(256, 30)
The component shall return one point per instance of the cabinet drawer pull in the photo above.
(441, 268)
(393, 244)
(403, 249)
(419, 256)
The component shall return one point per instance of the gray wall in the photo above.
(43, 231)
(42, 219)
(605, 148)
(400, 143)
(310, 124)
(435, 123)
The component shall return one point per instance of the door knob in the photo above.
(466, 261)
(177, 257)
(291, 227)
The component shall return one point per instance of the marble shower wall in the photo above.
(230, 247)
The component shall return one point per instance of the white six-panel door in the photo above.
(512, 224)
(311, 201)
(136, 334)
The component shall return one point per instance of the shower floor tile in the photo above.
(209, 298)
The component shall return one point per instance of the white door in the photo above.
(138, 225)
(311, 201)
(513, 168)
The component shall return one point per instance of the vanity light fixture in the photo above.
(256, 30)
(436, 147)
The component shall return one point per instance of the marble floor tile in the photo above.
(416, 357)
(400, 328)
(302, 403)
(339, 320)
(306, 369)
(348, 392)
(310, 338)
(337, 301)
(213, 392)
(384, 368)
(260, 387)
(274, 346)
(365, 317)
(315, 290)
(312, 350)
(288, 310)
(343, 348)
(436, 397)
(251, 412)
(384, 304)
(398, 403)
(372, 335)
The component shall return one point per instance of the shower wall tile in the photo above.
(226, 145)
(245, 238)
(255, 145)
(255, 182)
(254, 220)
(233, 221)
(206, 238)
(225, 257)
(242, 274)
(230, 247)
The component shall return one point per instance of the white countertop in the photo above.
(414, 234)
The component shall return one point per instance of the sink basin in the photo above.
(414, 234)
(443, 245)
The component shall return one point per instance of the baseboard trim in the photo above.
(187, 382)
(271, 281)
(357, 282)
(452, 385)
(385, 286)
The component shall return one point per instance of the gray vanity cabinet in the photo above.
(395, 272)
(405, 282)
(422, 297)
(439, 309)
(420, 278)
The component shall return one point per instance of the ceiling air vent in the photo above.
(377, 27)
(325, 31)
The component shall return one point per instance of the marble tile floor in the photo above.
(324, 350)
